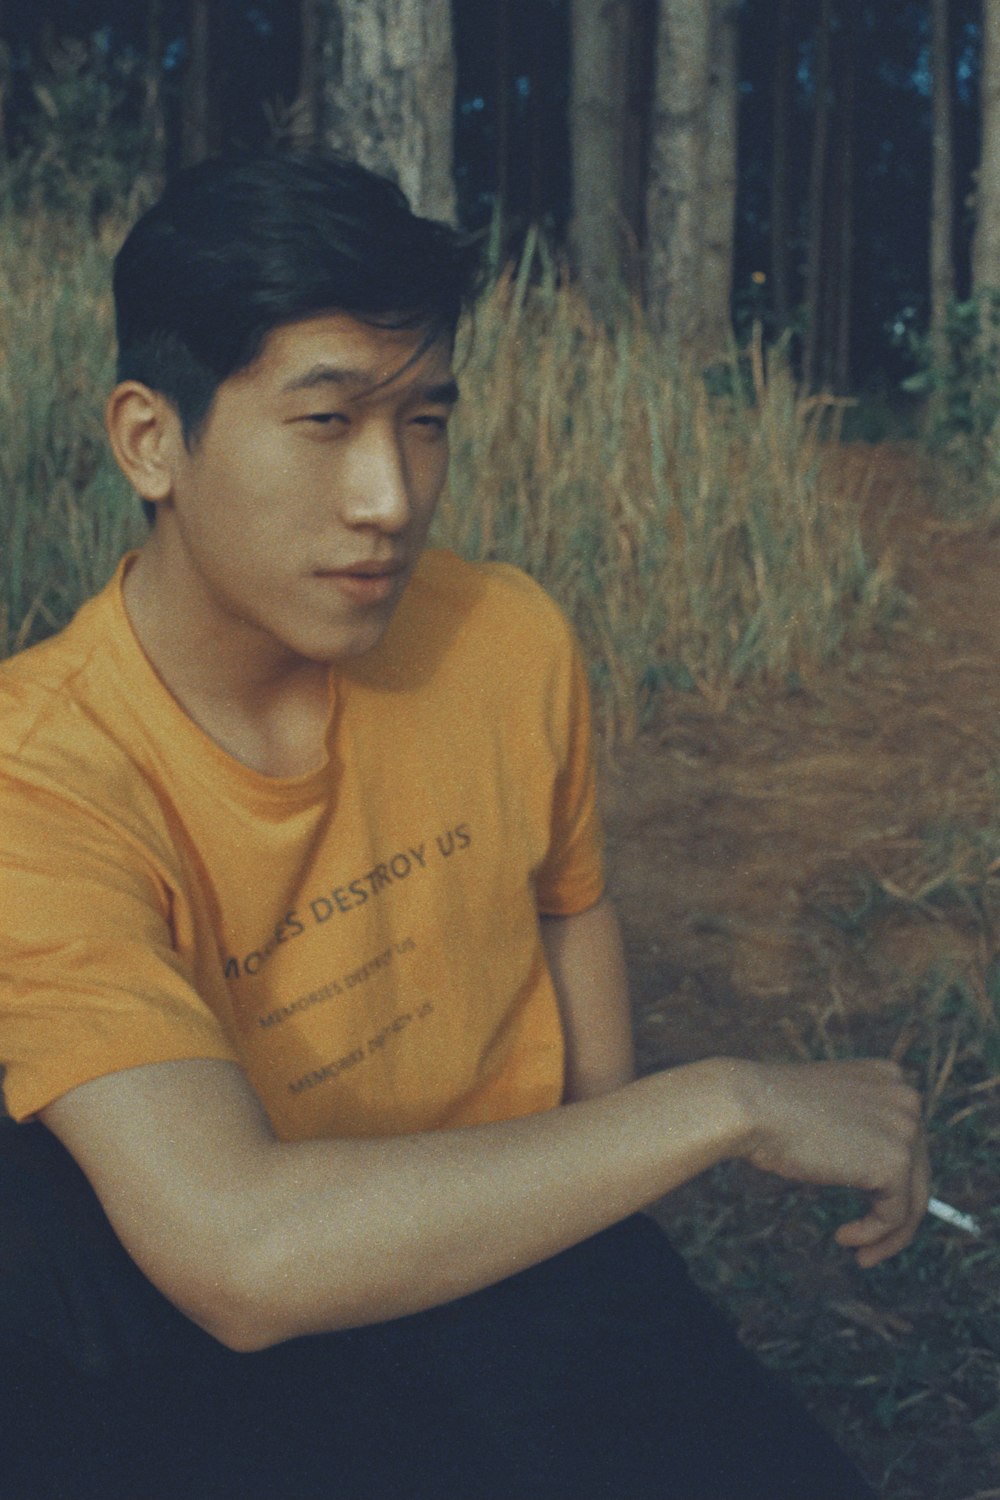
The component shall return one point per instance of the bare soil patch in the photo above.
(745, 838)
(790, 869)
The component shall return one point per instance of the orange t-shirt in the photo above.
(362, 940)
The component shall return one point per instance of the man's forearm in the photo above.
(357, 1232)
(259, 1240)
(379, 1229)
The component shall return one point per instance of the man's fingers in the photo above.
(871, 1255)
(887, 1216)
(873, 1240)
(892, 1218)
(854, 1124)
(921, 1191)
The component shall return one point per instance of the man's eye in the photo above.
(326, 418)
(432, 423)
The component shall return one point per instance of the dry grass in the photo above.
(697, 540)
(65, 514)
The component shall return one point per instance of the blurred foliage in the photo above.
(958, 380)
(512, 134)
(83, 150)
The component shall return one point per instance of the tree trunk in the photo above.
(390, 91)
(942, 186)
(308, 112)
(639, 73)
(154, 122)
(674, 221)
(986, 244)
(4, 85)
(781, 93)
(817, 198)
(942, 262)
(720, 178)
(841, 325)
(503, 86)
(537, 129)
(598, 100)
(195, 95)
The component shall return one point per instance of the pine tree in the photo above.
(389, 94)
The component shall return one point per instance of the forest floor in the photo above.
(818, 874)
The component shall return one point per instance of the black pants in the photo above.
(602, 1374)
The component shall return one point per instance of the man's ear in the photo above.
(146, 438)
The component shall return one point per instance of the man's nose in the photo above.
(377, 488)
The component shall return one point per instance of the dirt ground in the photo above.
(747, 840)
(790, 869)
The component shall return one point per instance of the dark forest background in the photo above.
(86, 71)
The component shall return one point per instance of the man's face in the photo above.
(296, 517)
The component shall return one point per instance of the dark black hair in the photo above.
(239, 245)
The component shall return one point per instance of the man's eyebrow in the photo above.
(324, 374)
(443, 393)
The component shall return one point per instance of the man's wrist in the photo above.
(734, 1085)
(703, 1111)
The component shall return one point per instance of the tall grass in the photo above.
(65, 513)
(695, 539)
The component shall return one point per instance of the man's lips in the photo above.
(364, 584)
(362, 570)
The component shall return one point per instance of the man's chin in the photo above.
(349, 644)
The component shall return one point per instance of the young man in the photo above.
(328, 1157)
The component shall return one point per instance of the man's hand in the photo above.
(850, 1124)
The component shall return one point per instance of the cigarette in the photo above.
(951, 1215)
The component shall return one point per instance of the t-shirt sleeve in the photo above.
(92, 979)
(571, 878)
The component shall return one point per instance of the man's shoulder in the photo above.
(57, 706)
(486, 596)
(43, 682)
(461, 626)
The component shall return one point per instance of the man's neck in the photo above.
(262, 706)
